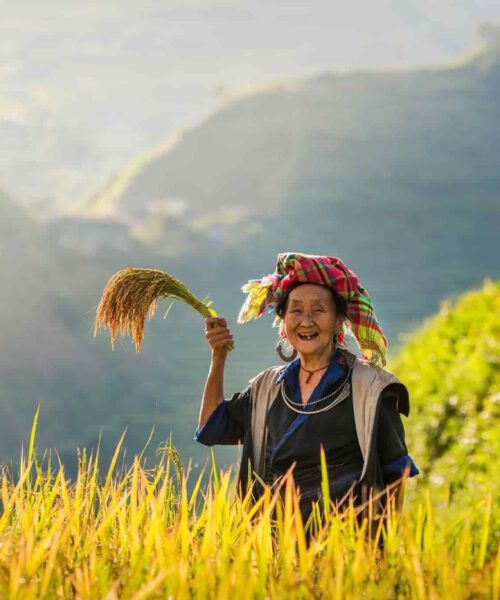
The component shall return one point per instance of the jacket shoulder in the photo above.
(267, 374)
(369, 374)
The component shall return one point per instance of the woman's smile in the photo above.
(308, 336)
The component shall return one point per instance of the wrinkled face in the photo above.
(311, 320)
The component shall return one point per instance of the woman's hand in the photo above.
(218, 335)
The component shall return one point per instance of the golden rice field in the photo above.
(139, 533)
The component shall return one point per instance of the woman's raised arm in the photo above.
(219, 337)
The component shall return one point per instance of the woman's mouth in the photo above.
(307, 337)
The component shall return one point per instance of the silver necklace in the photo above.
(344, 388)
(330, 395)
(343, 394)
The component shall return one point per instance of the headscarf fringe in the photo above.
(256, 300)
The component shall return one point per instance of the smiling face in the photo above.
(310, 322)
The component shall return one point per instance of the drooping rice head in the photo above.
(131, 295)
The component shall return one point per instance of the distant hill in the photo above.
(451, 367)
(37, 279)
(46, 355)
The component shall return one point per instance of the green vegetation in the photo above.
(452, 368)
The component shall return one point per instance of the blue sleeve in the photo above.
(393, 453)
(396, 469)
(228, 422)
(214, 428)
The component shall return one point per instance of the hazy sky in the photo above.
(277, 37)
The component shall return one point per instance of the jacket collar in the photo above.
(336, 369)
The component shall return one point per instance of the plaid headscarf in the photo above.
(293, 268)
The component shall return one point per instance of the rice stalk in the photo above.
(132, 295)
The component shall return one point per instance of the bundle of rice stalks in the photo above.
(131, 295)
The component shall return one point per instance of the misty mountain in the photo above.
(397, 172)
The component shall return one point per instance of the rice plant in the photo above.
(132, 295)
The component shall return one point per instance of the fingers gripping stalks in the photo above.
(218, 335)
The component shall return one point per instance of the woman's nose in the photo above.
(307, 318)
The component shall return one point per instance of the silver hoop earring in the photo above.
(285, 351)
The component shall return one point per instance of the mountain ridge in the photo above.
(257, 119)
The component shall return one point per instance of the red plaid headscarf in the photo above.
(294, 268)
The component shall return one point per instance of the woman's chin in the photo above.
(309, 349)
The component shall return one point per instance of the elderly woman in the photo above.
(325, 398)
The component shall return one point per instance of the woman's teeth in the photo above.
(307, 336)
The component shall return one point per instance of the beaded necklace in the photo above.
(313, 371)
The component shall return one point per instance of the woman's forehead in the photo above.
(310, 292)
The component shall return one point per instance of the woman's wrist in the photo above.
(218, 359)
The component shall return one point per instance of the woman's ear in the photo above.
(282, 329)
